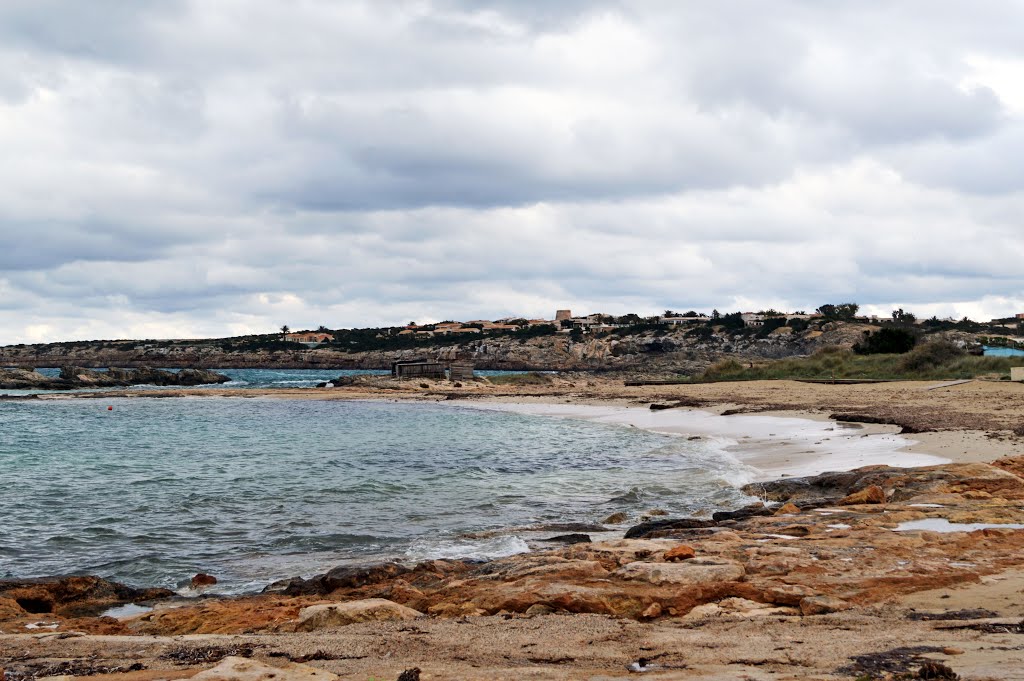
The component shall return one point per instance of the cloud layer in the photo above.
(177, 169)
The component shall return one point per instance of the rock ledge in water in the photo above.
(72, 377)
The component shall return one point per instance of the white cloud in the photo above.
(192, 168)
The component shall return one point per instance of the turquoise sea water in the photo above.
(256, 489)
(1003, 352)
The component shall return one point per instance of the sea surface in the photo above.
(152, 491)
(1003, 352)
(246, 378)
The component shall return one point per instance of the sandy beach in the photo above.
(827, 586)
(771, 445)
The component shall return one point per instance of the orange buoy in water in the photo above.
(110, 409)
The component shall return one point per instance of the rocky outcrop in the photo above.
(809, 562)
(245, 669)
(345, 577)
(76, 596)
(892, 484)
(330, 615)
(74, 377)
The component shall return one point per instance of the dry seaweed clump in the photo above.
(206, 654)
(899, 663)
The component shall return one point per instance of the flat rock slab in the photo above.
(328, 615)
(691, 572)
(244, 669)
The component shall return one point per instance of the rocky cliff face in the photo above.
(650, 352)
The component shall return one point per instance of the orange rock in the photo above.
(333, 615)
(651, 612)
(203, 579)
(787, 594)
(788, 509)
(822, 605)
(9, 609)
(681, 552)
(872, 494)
(244, 669)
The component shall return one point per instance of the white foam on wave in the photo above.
(763, 447)
(471, 549)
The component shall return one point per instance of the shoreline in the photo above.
(775, 445)
(763, 447)
(965, 423)
(757, 594)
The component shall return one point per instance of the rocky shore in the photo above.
(835, 552)
(876, 573)
(74, 377)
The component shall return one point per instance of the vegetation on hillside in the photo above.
(935, 360)
(887, 335)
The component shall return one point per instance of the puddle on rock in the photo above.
(943, 525)
(126, 611)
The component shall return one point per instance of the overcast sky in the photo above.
(180, 169)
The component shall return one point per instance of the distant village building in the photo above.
(562, 315)
(752, 318)
(309, 338)
(1020, 315)
(676, 320)
(454, 329)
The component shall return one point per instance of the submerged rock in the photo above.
(338, 578)
(750, 511)
(203, 579)
(569, 539)
(652, 527)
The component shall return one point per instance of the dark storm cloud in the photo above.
(178, 168)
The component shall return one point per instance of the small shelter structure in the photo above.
(461, 371)
(417, 369)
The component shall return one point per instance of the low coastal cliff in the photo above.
(675, 351)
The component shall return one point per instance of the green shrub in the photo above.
(887, 340)
(929, 356)
(531, 378)
(929, 361)
(724, 369)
